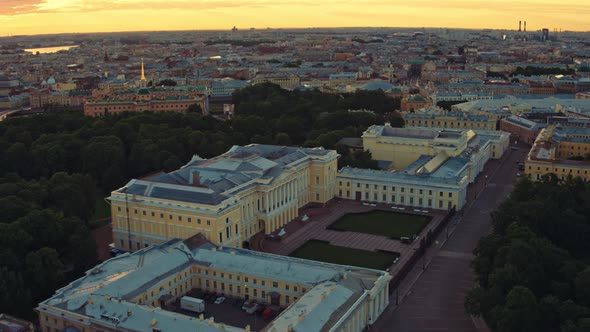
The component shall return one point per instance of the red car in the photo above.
(268, 313)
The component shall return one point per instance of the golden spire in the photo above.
(142, 72)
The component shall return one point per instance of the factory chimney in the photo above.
(519, 26)
(524, 26)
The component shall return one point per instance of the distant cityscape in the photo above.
(384, 143)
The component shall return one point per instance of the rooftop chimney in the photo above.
(196, 179)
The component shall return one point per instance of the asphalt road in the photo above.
(435, 300)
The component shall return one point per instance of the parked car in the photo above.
(219, 300)
(252, 308)
(260, 309)
(268, 314)
(245, 305)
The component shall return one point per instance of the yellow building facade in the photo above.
(552, 151)
(131, 292)
(403, 146)
(422, 167)
(229, 198)
(452, 120)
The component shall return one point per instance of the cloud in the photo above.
(15, 7)
(18, 7)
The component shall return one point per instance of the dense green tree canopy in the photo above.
(533, 271)
(55, 165)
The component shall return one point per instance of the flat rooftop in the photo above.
(106, 291)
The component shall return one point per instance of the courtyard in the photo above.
(325, 252)
(318, 226)
(394, 225)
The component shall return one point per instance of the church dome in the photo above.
(51, 80)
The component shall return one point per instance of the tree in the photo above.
(521, 312)
(167, 82)
(195, 108)
(44, 272)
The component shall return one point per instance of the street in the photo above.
(432, 300)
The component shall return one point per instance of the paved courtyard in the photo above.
(299, 232)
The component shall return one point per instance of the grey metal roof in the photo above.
(204, 181)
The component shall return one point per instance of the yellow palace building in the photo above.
(421, 167)
(560, 151)
(133, 292)
(228, 198)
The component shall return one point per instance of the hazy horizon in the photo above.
(32, 17)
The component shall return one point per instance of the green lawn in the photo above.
(321, 251)
(390, 224)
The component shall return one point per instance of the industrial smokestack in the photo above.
(524, 26)
(519, 26)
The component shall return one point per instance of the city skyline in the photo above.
(27, 17)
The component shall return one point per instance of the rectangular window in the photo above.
(255, 292)
(286, 287)
(220, 237)
(275, 284)
(143, 212)
(153, 214)
(188, 219)
(208, 223)
(287, 299)
(179, 218)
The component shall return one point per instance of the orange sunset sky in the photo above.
(57, 16)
